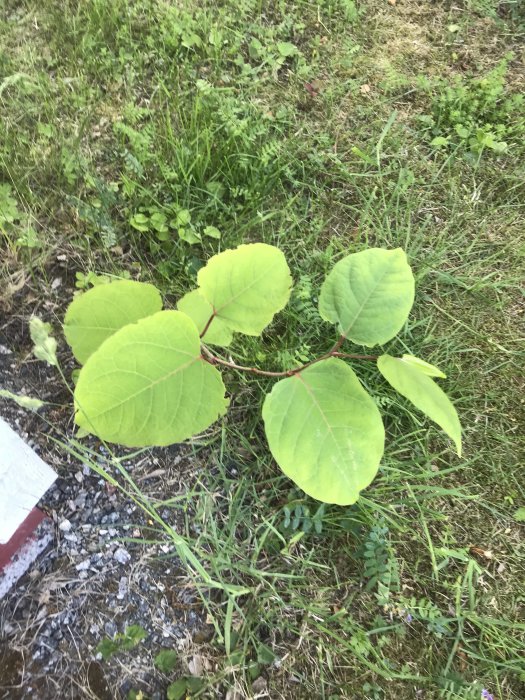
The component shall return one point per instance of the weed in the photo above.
(477, 113)
(117, 109)
(380, 570)
(128, 640)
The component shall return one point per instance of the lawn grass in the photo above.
(299, 124)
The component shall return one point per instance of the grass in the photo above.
(299, 124)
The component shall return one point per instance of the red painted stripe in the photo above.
(20, 537)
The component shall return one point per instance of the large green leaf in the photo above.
(246, 286)
(369, 295)
(194, 305)
(416, 386)
(95, 315)
(148, 385)
(325, 431)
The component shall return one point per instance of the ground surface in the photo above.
(322, 128)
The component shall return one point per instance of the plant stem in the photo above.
(213, 359)
(208, 323)
(338, 343)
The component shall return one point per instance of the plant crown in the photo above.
(149, 377)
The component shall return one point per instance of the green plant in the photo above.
(424, 610)
(126, 641)
(12, 219)
(96, 214)
(89, 279)
(476, 112)
(149, 379)
(9, 212)
(299, 518)
(153, 219)
(166, 660)
(29, 238)
(180, 688)
(381, 568)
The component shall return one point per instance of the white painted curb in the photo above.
(24, 478)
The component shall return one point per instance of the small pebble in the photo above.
(65, 526)
(121, 555)
(122, 588)
(83, 565)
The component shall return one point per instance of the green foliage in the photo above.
(299, 518)
(89, 279)
(194, 305)
(15, 226)
(96, 315)
(369, 295)
(247, 286)
(166, 660)
(148, 384)
(519, 515)
(131, 638)
(424, 610)
(8, 207)
(168, 223)
(179, 689)
(381, 569)
(325, 431)
(454, 686)
(28, 238)
(477, 113)
(265, 153)
(149, 378)
(413, 382)
(97, 211)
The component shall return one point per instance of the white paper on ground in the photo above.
(24, 478)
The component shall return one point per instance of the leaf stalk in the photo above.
(208, 356)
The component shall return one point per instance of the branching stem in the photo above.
(214, 360)
(338, 343)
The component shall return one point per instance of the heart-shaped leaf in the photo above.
(369, 295)
(325, 431)
(247, 286)
(148, 385)
(95, 315)
(416, 386)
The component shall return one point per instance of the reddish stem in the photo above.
(213, 359)
(208, 324)
(338, 343)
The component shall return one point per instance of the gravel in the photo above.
(93, 581)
